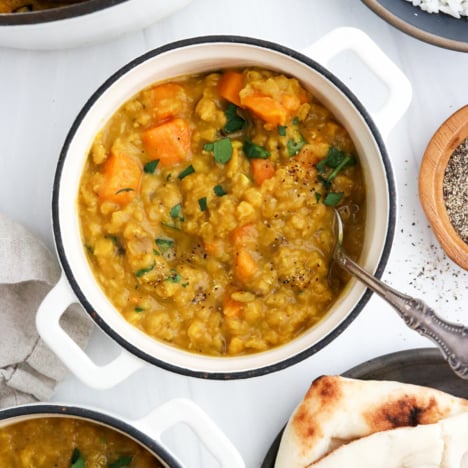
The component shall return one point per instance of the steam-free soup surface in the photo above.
(206, 207)
(60, 442)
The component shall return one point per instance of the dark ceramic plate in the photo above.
(417, 366)
(439, 29)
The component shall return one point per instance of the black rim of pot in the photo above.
(288, 361)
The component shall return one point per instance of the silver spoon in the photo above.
(451, 338)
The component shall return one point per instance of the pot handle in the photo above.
(355, 40)
(181, 410)
(48, 316)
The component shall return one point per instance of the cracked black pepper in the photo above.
(455, 189)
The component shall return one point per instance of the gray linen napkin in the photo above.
(29, 371)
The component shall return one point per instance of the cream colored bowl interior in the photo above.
(201, 58)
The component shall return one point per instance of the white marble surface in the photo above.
(41, 92)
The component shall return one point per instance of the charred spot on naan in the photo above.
(407, 410)
(325, 391)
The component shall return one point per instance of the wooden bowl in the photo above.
(431, 177)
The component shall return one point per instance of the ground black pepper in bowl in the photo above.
(455, 189)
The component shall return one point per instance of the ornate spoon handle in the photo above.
(451, 338)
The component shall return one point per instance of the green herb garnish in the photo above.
(187, 171)
(282, 130)
(318, 196)
(295, 146)
(202, 203)
(295, 121)
(151, 166)
(143, 271)
(126, 189)
(174, 277)
(347, 161)
(219, 191)
(77, 460)
(333, 198)
(222, 150)
(164, 245)
(253, 151)
(138, 309)
(334, 159)
(121, 462)
(326, 183)
(328, 169)
(234, 121)
(175, 210)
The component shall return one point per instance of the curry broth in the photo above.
(58, 442)
(206, 208)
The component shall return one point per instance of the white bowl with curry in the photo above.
(56, 435)
(193, 207)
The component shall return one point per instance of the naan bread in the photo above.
(440, 445)
(414, 447)
(337, 410)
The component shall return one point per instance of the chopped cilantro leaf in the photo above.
(175, 210)
(321, 166)
(187, 171)
(151, 166)
(222, 150)
(138, 309)
(318, 196)
(334, 157)
(174, 276)
(126, 189)
(295, 121)
(122, 462)
(234, 121)
(164, 244)
(202, 203)
(77, 460)
(282, 130)
(219, 191)
(143, 271)
(326, 183)
(253, 151)
(333, 198)
(347, 161)
(295, 146)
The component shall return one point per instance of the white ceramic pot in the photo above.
(146, 430)
(196, 56)
(81, 23)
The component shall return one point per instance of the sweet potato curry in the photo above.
(61, 442)
(206, 209)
